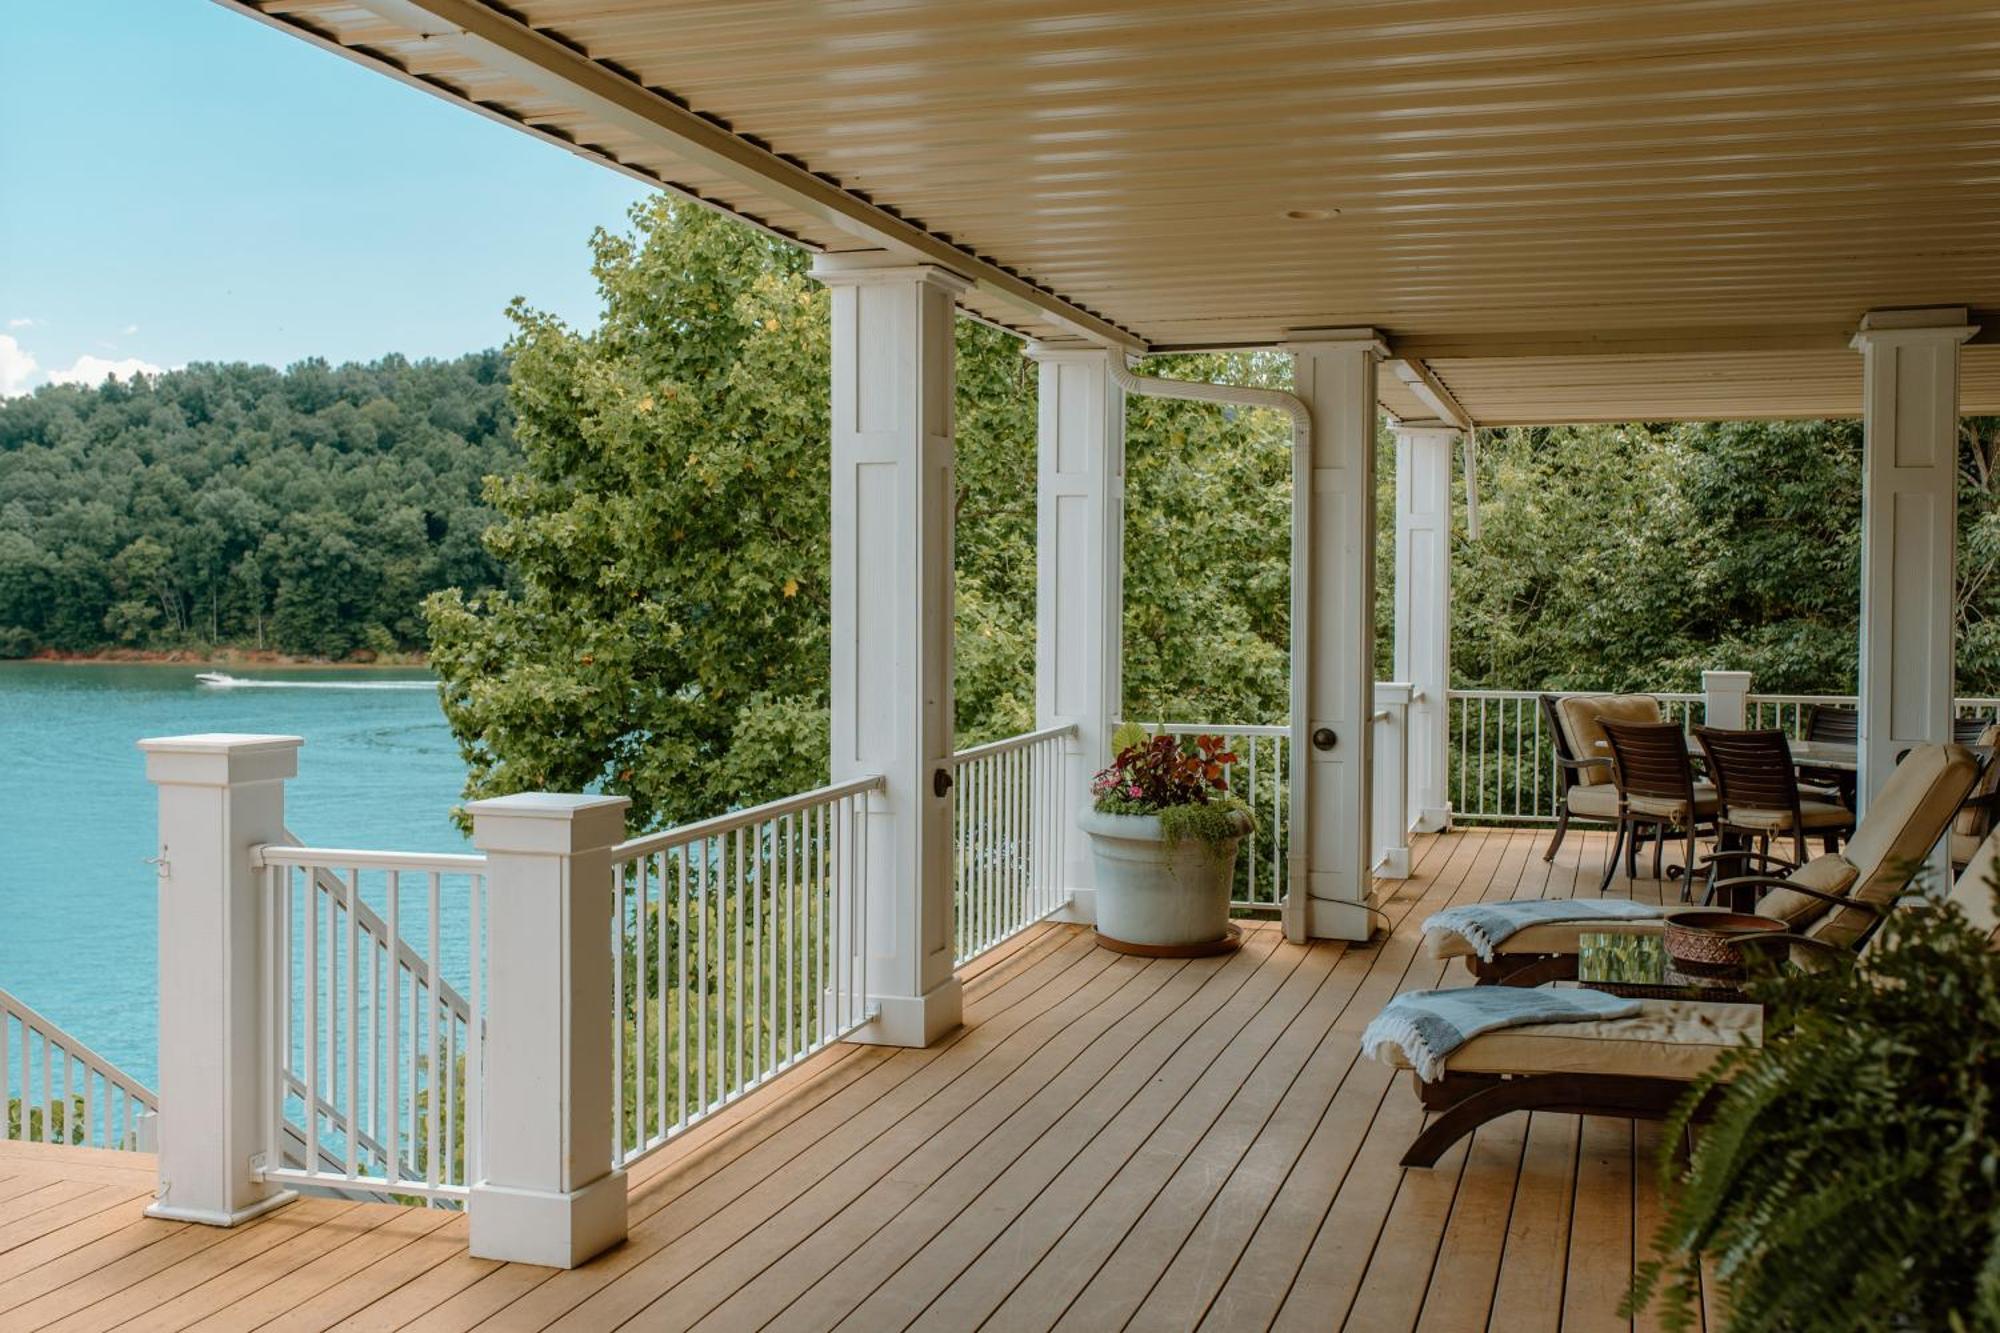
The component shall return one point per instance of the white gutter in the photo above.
(1472, 485)
(1203, 391)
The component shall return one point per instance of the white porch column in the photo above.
(547, 1193)
(1725, 699)
(1333, 636)
(1079, 566)
(1424, 456)
(892, 619)
(1909, 535)
(221, 796)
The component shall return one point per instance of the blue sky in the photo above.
(180, 183)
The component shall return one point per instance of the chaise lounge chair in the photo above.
(1635, 1068)
(1903, 823)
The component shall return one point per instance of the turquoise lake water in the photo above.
(77, 817)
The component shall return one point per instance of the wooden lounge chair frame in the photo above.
(1465, 1101)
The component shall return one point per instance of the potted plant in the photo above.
(1163, 832)
(1845, 1173)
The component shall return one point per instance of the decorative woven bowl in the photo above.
(1704, 944)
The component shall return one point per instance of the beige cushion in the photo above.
(1676, 1039)
(1832, 873)
(1598, 801)
(1816, 814)
(1976, 824)
(1661, 807)
(1973, 891)
(1904, 821)
(1964, 846)
(1581, 718)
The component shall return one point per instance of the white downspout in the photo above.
(1243, 395)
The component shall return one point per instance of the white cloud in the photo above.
(131, 329)
(17, 367)
(95, 370)
(20, 322)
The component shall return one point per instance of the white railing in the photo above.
(58, 1090)
(1009, 808)
(377, 1057)
(1260, 777)
(739, 951)
(1503, 762)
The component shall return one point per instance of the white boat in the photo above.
(216, 679)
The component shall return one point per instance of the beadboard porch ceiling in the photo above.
(1571, 212)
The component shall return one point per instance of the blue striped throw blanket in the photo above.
(1485, 925)
(1428, 1025)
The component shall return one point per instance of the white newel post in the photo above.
(1079, 518)
(1909, 532)
(1333, 637)
(1393, 712)
(221, 797)
(1725, 699)
(893, 432)
(1424, 453)
(545, 1191)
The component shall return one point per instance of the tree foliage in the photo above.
(307, 511)
(1633, 557)
(664, 634)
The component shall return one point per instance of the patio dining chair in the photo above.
(1583, 758)
(1657, 792)
(1832, 724)
(1583, 789)
(1759, 787)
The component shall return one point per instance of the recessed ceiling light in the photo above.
(1309, 214)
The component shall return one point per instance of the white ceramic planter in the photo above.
(1160, 900)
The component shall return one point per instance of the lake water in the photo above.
(78, 819)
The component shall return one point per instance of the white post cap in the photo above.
(221, 758)
(548, 824)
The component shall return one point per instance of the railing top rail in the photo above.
(682, 834)
(1217, 728)
(1671, 696)
(29, 1016)
(353, 858)
(1020, 742)
(1800, 698)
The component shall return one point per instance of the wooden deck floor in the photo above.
(1109, 1142)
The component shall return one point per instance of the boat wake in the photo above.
(217, 680)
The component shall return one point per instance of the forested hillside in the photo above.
(307, 511)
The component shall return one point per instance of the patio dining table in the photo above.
(1831, 755)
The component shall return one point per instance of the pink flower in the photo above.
(1133, 792)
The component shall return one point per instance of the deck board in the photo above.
(1108, 1140)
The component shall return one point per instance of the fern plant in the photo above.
(1847, 1174)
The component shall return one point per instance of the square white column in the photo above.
(222, 796)
(1909, 532)
(1424, 457)
(893, 467)
(1333, 636)
(546, 1191)
(1079, 576)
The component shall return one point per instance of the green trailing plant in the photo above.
(1846, 1174)
(1183, 783)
